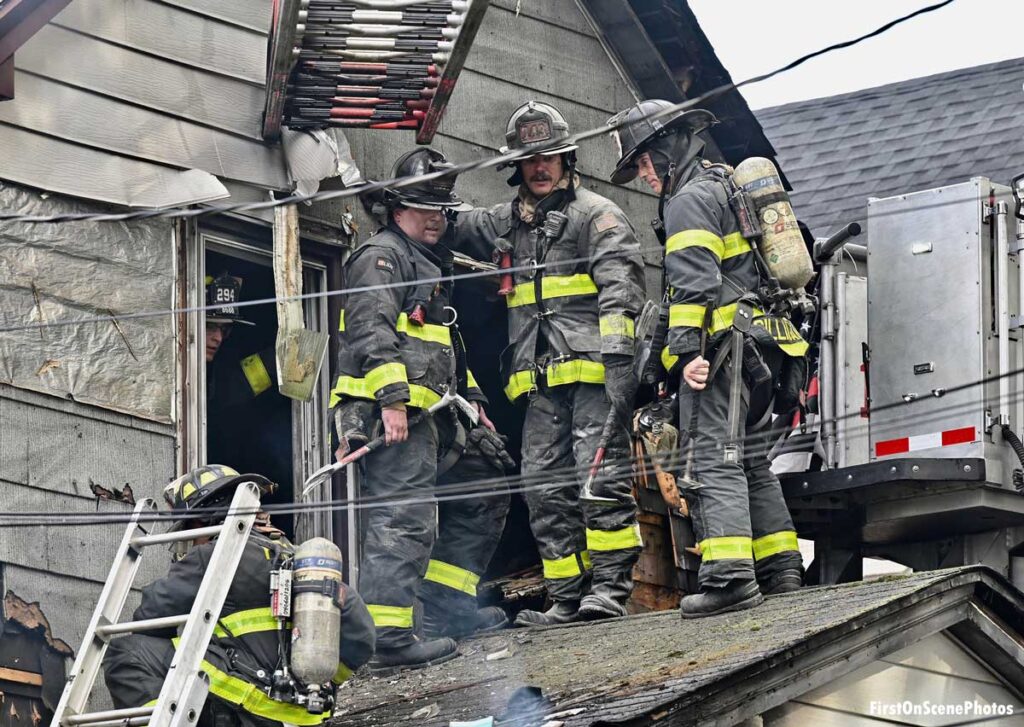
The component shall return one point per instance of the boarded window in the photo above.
(76, 270)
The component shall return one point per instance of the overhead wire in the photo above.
(392, 184)
(455, 170)
(475, 488)
(399, 182)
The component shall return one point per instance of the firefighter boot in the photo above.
(596, 606)
(416, 655)
(561, 612)
(784, 581)
(458, 625)
(736, 596)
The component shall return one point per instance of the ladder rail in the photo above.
(181, 695)
(113, 597)
(185, 685)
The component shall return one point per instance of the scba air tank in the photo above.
(316, 612)
(782, 245)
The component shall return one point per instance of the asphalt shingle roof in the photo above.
(624, 670)
(903, 137)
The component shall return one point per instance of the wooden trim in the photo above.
(21, 677)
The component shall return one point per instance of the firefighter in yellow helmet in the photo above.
(245, 650)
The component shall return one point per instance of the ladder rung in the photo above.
(110, 715)
(130, 722)
(177, 536)
(149, 624)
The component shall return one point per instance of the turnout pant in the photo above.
(739, 515)
(469, 531)
(579, 541)
(398, 538)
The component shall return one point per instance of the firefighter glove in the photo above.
(620, 386)
(491, 447)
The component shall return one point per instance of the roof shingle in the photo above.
(899, 138)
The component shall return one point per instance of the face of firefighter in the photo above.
(542, 173)
(426, 226)
(646, 172)
(216, 334)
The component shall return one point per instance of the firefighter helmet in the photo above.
(433, 194)
(640, 130)
(221, 294)
(208, 487)
(537, 125)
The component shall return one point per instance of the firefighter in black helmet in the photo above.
(745, 533)
(248, 419)
(400, 352)
(254, 374)
(578, 288)
(245, 649)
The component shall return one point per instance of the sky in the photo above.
(752, 37)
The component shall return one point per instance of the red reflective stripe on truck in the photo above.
(932, 440)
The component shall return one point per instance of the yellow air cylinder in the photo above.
(782, 246)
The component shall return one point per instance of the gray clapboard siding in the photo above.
(61, 446)
(73, 114)
(538, 55)
(82, 551)
(122, 73)
(563, 13)
(44, 162)
(251, 14)
(169, 32)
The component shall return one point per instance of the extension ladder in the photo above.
(185, 687)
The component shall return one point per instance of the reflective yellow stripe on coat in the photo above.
(552, 286)
(695, 238)
(393, 373)
(251, 621)
(722, 248)
(252, 699)
(616, 325)
(519, 383)
(782, 330)
(419, 396)
(575, 371)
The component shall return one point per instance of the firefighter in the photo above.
(248, 419)
(252, 375)
(570, 359)
(400, 352)
(745, 533)
(245, 650)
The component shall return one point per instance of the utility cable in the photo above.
(483, 487)
(455, 170)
